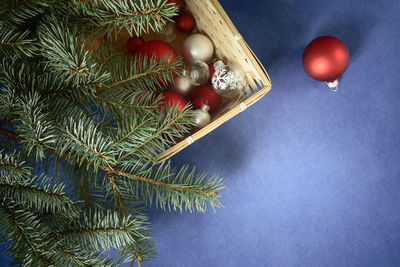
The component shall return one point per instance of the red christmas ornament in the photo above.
(325, 58)
(161, 52)
(211, 69)
(171, 99)
(206, 95)
(178, 3)
(157, 49)
(133, 43)
(185, 23)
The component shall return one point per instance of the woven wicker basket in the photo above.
(212, 20)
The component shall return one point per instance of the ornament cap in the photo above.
(205, 107)
(333, 85)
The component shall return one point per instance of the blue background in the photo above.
(312, 178)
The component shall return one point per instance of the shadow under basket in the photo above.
(213, 21)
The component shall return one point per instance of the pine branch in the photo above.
(103, 231)
(34, 128)
(206, 192)
(18, 11)
(30, 245)
(117, 194)
(15, 42)
(7, 103)
(38, 193)
(132, 80)
(10, 164)
(172, 126)
(137, 17)
(67, 55)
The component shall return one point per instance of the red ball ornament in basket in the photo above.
(325, 59)
(157, 51)
(134, 43)
(185, 23)
(205, 95)
(179, 3)
(172, 100)
(227, 81)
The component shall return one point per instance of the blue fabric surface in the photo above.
(312, 178)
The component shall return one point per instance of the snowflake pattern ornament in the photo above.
(227, 81)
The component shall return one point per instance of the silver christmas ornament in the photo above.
(198, 47)
(227, 81)
(168, 32)
(183, 85)
(201, 116)
(199, 72)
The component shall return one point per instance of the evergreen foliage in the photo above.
(81, 131)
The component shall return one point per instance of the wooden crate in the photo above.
(213, 21)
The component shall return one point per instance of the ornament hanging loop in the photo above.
(333, 85)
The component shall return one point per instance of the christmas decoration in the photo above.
(171, 99)
(134, 43)
(178, 3)
(199, 72)
(212, 70)
(198, 47)
(158, 50)
(183, 84)
(325, 59)
(205, 94)
(185, 23)
(201, 116)
(227, 81)
(100, 138)
(168, 32)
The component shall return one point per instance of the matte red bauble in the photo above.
(133, 43)
(185, 23)
(325, 58)
(206, 95)
(171, 99)
(157, 48)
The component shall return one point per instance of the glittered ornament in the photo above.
(134, 43)
(198, 47)
(185, 23)
(227, 81)
(183, 84)
(201, 116)
(199, 72)
(172, 100)
(205, 94)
